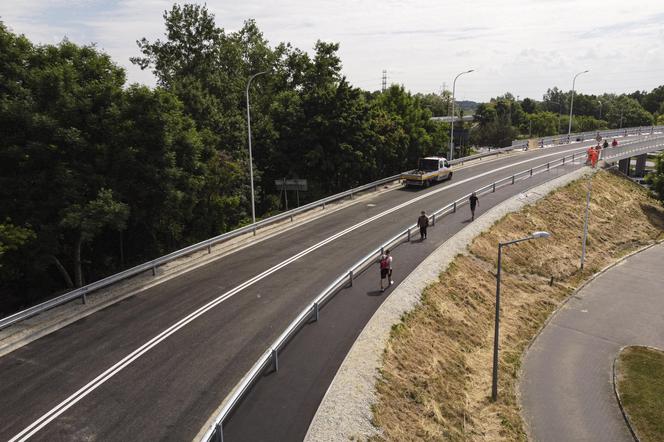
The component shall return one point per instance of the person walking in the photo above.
(423, 223)
(386, 270)
(474, 201)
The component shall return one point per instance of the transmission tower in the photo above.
(384, 80)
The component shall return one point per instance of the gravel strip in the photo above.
(345, 411)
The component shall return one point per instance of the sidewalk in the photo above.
(566, 386)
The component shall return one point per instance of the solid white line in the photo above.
(127, 360)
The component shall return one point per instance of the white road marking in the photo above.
(63, 406)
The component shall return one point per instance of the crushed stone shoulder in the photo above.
(345, 411)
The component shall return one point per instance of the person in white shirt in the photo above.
(386, 270)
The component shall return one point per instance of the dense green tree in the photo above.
(544, 123)
(656, 177)
(530, 106)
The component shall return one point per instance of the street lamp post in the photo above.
(585, 222)
(571, 105)
(452, 125)
(621, 115)
(251, 165)
(494, 380)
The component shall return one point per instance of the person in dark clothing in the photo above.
(474, 201)
(606, 144)
(423, 223)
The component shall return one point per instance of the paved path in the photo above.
(566, 386)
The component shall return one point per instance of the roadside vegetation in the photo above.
(640, 382)
(435, 382)
(97, 175)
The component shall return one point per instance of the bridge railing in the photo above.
(590, 135)
(153, 265)
(270, 358)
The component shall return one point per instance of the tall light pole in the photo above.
(571, 105)
(452, 125)
(251, 164)
(585, 222)
(494, 380)
(621, 115)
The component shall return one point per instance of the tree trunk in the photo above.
(78, 269)
(63, 271)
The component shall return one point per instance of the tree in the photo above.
(87, 221)
(544, 123)
(656, 177)
(530, 106)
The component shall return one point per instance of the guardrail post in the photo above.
(209, 248)
(218, 435)
(433, 219)
(84, 297)
(409, 234)
(254, 230)
(291, 218)
(512, 179)
(375, 188)
(275, 359)
(547, 166)
(154, 270)
(563, 160)
(351, 195)
(323, 206)
(531, 172)
(350, 278)
(493, 187)
(454, 207)
(316, 311)
(382, 250)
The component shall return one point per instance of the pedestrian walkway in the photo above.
(566, 384)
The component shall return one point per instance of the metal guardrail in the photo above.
(635, 148)
(591, 135)
(153, 265)
(270, 358)
(477, 156)
(203, 245)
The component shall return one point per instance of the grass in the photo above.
(435, 381)
(640, 375)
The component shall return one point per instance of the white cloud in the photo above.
(522, 46)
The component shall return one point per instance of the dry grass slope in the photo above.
(435, 381)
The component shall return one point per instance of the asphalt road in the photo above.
(566, 387)
(169, 391)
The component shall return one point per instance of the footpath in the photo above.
(566, 384)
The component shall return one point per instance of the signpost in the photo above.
(292, 184)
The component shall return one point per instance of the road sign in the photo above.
(292, 184)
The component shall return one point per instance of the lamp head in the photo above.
(541, 234)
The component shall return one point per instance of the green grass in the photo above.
(641, 387)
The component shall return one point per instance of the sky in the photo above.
(518, 46)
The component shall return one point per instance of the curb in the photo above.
(557, 310)
(345, 407)
(617, 393)
(628, 421)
